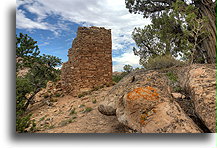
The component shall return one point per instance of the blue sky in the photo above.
(54, 23)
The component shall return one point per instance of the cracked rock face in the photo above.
(200, 82)
(147, 106)
(168, 117)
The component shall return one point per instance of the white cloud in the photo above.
(125, 59)
(38, 9)
(23, 22)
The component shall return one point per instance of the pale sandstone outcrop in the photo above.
(200, 82)
(169, 118)
(163, 113)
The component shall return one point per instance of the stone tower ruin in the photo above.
(89, 61)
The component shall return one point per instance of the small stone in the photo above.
(177, 95)
(183, 96)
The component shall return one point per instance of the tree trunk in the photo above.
(31, 98)
(207, 9)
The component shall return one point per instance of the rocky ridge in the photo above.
(156, 110)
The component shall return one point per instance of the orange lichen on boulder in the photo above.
(148, 93)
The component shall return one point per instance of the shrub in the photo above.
(53, 99)
(42, 118)
(117, 78)
(25, 124)
(57, 94)
(174, 82)
(82, 105)
(94, 101)
(177, 89)
(65, 122)
(51, 127)
(88, 109)
(161, 62)
(172, 76)
(72, 111)
(81, 95)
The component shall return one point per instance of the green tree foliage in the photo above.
(177, 26)
(26, 51)
(128, 68)
(41, 69)
(178, 32)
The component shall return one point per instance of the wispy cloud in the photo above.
(22, 22)
(44, 44)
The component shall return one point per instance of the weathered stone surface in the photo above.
(178, 96)
(134, 104)
(168, 117)
(146, 112)
(130, 82)
(107, 110)
(89, 61)
(155, 110)
(200, 82)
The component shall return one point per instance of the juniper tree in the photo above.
(41, 69)
(205, 9)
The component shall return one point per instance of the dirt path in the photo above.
(75, 115)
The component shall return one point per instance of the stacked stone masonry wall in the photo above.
(89, 61)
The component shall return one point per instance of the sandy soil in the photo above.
(75, 115)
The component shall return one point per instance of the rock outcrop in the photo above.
(143, 100)
(200, 82)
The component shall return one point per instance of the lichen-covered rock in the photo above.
(135, 104)
(136, 79)
(200, 82)
(145, 111)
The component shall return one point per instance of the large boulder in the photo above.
(165, 117)
(136, 79)
(200, 82)
(134, 104)
(145, 111)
